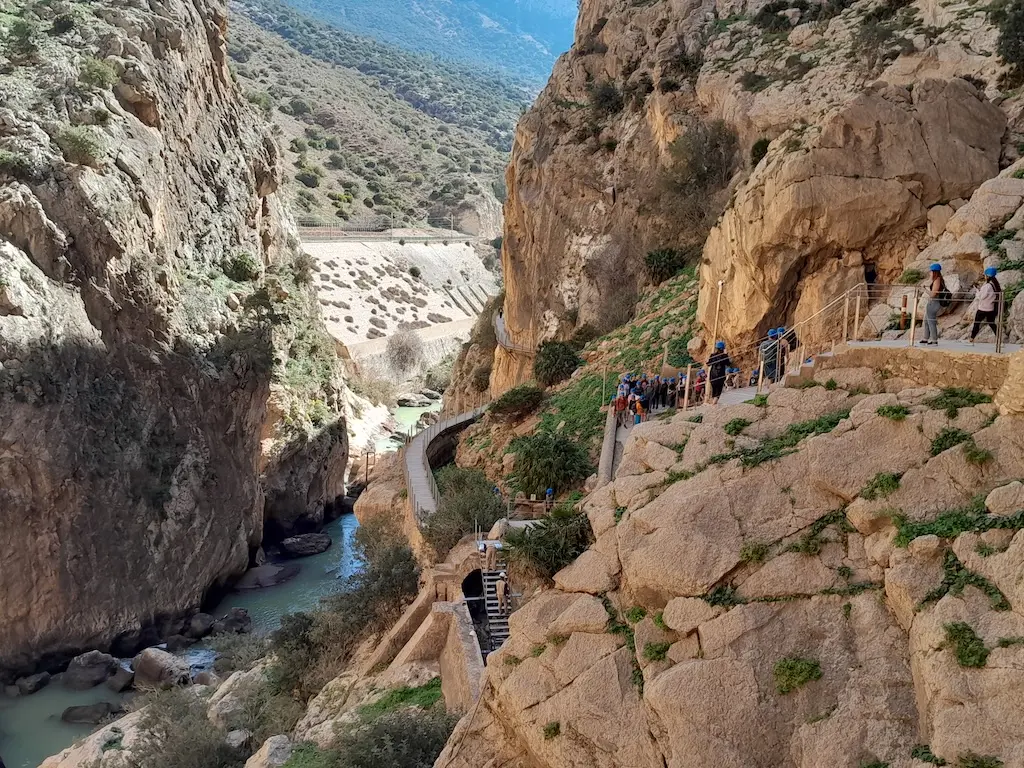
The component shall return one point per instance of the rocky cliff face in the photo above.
(825, 133)
(729, 619)
(165, 382)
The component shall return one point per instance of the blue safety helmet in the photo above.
(719, 345)
(773, 333)
(936, 268)
(781, 330)
(991, 272)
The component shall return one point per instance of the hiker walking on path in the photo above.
(718, 366)
(939, 298)
(769, 351)
(501, 592)
(988, 304)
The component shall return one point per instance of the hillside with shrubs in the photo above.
(370, 132)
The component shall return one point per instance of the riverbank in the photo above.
(30, 726)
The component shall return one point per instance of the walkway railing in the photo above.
(504, 340)
(419, 475)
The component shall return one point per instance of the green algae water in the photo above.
(30, 726)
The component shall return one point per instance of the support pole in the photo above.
(760, 377)
(1000, 322)
(856, 320)
(686, 391)
(913, 318)
(846, 318)
(718, 308)
(903, 314)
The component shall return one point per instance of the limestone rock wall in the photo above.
(147, 399)
(852, 163)
(673, 640)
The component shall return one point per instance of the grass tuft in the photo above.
(976, 455)
(736, 427)
(754, 552)
(949, 437)
(952, 399)
(656, 651)
(636, 614)
(422, 697)
(893, 412)
(924, 753)
(793, 672)
(969, 649)
(882, 485)
(552, 730)
(956, 577)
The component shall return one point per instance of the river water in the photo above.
(30, 726)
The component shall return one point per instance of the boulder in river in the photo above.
(155, 668)
(269, 575)
(89, 714)
(235, 622)
(121, 680)
(32, 683)
(413, 400)
(430, 394)
(178, 643)
(200, 625)
(306, 544)
(89, 670)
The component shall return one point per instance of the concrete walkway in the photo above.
(729, 397)
(419, 477)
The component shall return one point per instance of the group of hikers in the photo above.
(638, 395)
(941, 298)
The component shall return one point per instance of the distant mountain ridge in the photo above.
(519, 38)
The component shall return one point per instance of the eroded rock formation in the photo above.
(161, 358)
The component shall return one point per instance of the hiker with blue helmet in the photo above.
(718, 366)
(769, 351)
(988, 304)
(939, 298)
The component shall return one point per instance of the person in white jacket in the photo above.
(988, 304)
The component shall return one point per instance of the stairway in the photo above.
(497, 622)
(795, 377)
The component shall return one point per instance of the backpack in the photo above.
(945, 297)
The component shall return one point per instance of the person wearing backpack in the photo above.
(939, 298)
(988, 304)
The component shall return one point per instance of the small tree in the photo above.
(545, 461)
(97, 74)
(605, 98)
(555, 362)
(758, 151)
(80, 145)
(1009, 17)
(665, 263)
(23, 38)
(243, 267)
(303, 268)
(404, 350)
(518, 401)
(551, 544)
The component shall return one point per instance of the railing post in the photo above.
(760, 376)
(913, 318)
(846, 318)
(686, 390)
(1000, 322)
(856, 320)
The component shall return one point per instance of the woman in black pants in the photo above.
(988, 304)
(718, 365)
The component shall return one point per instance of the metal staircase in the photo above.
(497, 621)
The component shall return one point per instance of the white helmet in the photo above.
(502, 575)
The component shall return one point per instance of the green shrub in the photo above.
(545, 461)
(551, 544)
(952, 399)
(19, 166)
(237, 652)
(468, 505)
(80, 145)
(948, 438)
(243, 267)
(971, 760)
(949, 524)
(406, 738)
(1008, 16)
(636, 614)
(736, 426)
(793, 672)
(911, 277)
(831, 385)
(969, 649)
(176, 733)
(754, 551)
(656, 651)
(882, 485)
(518, 402)
(924, 753)
(415, 272)
(758, 151)
(956, 577)
(665, 263)
(552, 730)
(703, 159)
(893, 412)
(313, 648)
(555, 362)
(97, 74)
(422, 697)
(23, 37)
(605, 98)
(974, 454)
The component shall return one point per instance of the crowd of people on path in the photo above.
(639, 395)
